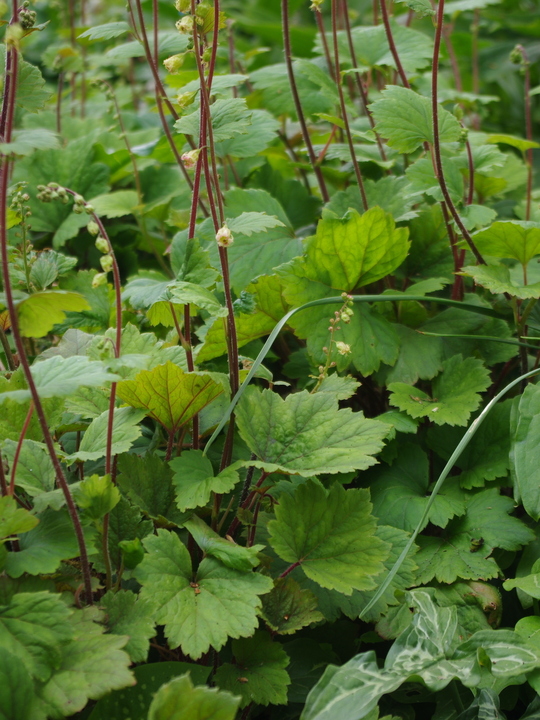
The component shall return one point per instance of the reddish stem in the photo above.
(392, 45)
(18, 449)
(6, 125)
(356, 166)
(436, 138)
(290, 569)
(296, 99)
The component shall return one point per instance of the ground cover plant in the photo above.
(270, 345)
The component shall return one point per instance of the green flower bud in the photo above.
(174, 63)
(102, 245)
(106, 263)
(99, 279)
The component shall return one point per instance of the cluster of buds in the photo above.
(19, 200)
(344, 314)
(106, 260)
(224, 237)
(27, 17)
(54, 191)
(190, 158)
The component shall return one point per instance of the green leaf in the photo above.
(343, 256)
(183, 293)
(464, 5)
(97, 496)
(26, 141)
(332, 603)
(288, 608)
(415, 49)
(519, 143)
(40, 312)
(253, 222)
(44, 547)
(92, 665)
(455, 393)
(523, 453)
(510, 239)
(529, 584)
(106, 31)
(230, 117)
(307, 434)
(422, 178)
(125, 524)
(125, 431)
(422, 7)
(31, 93)
(48, 266)
(388, 193)
(404, 118)
(190, 262)
(486, 457)
(420, 357)
(57, 376)
(35, 471)
(331, 535)
(400, 492)
(194, 479)
(496, 278)
(115, 204)
(202, 610)
(128, 615)
(318, 94)
(14, 520)
(179, 700)
(258, 673)
(147, 482)
(228, 552)
(169, 395)
(16, 689)
(71, 166)
(270, 308)
(135, 701)
(257, 136)
(464, 548)
(34, 627)
(170, 42)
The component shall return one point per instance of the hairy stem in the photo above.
(359, 82)
(392, 44)
(356, 166)
(18, 449)
(6, 126)
(436, 138)
(296, 99)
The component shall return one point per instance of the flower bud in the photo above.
(99, 279)
(190, 158)
(186, 99)
(174, 63)
(224, 237)
(182, 5)
(102, 245)
(93, 227)
(185, 25)
(106, 263)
